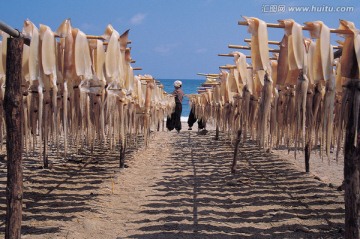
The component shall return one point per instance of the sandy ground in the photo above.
(180, 187)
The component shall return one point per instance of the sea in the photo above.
(189, 86)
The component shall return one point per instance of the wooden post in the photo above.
(14, 142)
(122, 153)
(238, 137)
(351, 166)
(122, 136)
(217, 132)
(307, 157)
(45, 134)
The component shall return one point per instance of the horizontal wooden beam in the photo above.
(228, 55)
(204, 74)
(249, 48)
(270, 42)
(227, 67)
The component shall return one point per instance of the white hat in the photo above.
(177, 83)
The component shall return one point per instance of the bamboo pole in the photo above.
(249, 48)
(227, 67)
(204, 74)
(279, 25)
(90, 37)
(146, 79)
(210, 84)
(232, 55)
(228, 55)
(270, 42)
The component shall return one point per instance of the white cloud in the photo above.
(201, 50)
(86, 26)
(137, 19)
(165, 49)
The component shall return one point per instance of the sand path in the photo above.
(179, 187)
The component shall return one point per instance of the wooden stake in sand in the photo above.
(352, 164)
(14, 142)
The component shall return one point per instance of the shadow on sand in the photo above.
(266, 198)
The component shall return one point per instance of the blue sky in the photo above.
(173, 38)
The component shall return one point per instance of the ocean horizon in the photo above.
(189, 86)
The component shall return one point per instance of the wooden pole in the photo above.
(122, 153)
(232, 55)
(228, 67)
(269, 42)
(352, 166)
(236, 149)
(249, 48)
(217, 132)
(307, 157)
(122, 137)
(203, 74)
(14, 142)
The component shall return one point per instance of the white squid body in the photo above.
(84, 70)
(262, 68)
(295, 50)
(323, 71)
(3, 44)
(224, 87)
(113, 60)
(48, 53)
(259, 44)
(49, 67)
(232, 83)
(148, 96)
(83, 64)
(100, 61)
(239, 84)
(32, 74)
(322, 62)
(34, 68)
(217, 96)
(241, 66)
(98, 54)
(68, 70)
(3, 49)
(295, 44)
(138, 92)
(274, 71)
(351, 48)
(129, 73)
(248, 87)
(309, 51)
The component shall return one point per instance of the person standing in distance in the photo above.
(175, 120)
